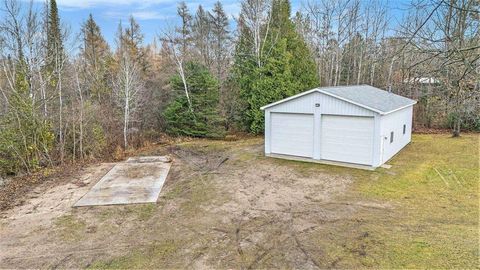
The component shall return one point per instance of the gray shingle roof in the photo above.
(369, 96)
(366, 96)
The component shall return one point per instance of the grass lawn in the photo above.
(226, 205)
(434, 186)
(433, 221)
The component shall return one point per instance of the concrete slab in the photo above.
(386, 166)
(322, 161)
(138, 180)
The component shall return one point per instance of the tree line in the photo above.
(68, 97)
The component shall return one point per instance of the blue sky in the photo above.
(155, 15)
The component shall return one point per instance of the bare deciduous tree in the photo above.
(128, 86)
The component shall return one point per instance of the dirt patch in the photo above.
(270, 187)
(224, 205)
(17, 189)
(48, 200)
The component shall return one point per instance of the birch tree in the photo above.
(128, 86)
(174, 49)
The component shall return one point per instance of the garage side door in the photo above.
(292, 134)
(347, 138)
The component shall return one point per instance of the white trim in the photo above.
(401, 108)
(289, 98)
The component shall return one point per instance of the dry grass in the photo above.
(225, 205)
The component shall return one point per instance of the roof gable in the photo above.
(365, 96)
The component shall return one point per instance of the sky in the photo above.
(155, 15)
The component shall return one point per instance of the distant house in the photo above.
(360, 125)
(422, 80)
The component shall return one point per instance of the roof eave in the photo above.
(401, 108)
(289, 98)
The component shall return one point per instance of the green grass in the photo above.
(195, 193)
(433, 186)
(142, 212)
(153, 256)
(70, 228)
(430, 219)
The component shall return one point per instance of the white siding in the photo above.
(328, 105)
(394, 122)
(303, 104)
(331, 105)
(377, 141)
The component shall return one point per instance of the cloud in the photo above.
(231, 7)
(149, 15)
(142, 15)
(96, 3)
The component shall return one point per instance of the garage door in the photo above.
(292, 134)
(347, 139)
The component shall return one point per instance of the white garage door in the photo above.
(292, 134)
(347, 139)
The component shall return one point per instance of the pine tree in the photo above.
(201, 30)
(95, 53)
(220, 39)
(285, 68)
(204, 120)
(273, 81)
(302, 63)
(185, 29)
(94, 48)
(55, 52)
(55, 62)
(133, 42)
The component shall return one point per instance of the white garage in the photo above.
(346, 125)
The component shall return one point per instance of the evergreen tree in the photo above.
(220, 39)
(286, 66)
(204, 120)
(133, 42)
(185, 29)
(25, 138)
(303, 67)
(244, 71)
(201, 35)
(55, 64)
(95, 53)
(55, 52)
(272, 81)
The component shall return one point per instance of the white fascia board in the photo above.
(401, 108)
(289, 98)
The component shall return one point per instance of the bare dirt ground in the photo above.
(224, 205)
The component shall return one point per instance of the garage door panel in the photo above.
(346, 146)
(347, 139)
(347, 143)
(292, 134)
